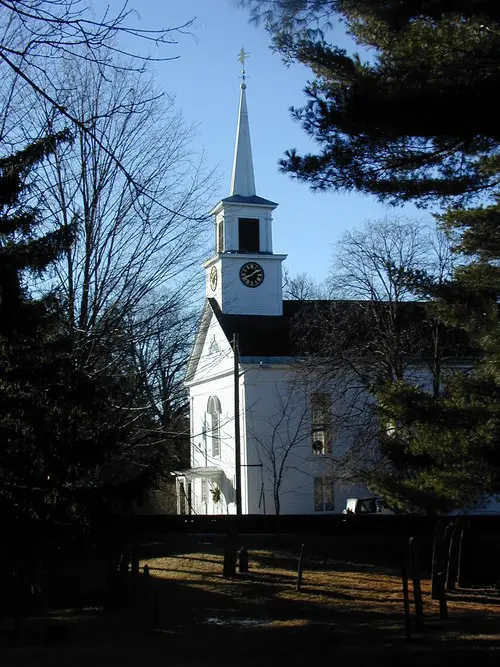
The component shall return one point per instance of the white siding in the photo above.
(275, 404)
(278, 418)
(235, 298)
(214, 377)
(211, 364)
(231, 214)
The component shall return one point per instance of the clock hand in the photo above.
(251, 275)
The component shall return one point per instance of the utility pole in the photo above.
(237, 440)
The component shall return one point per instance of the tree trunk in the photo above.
(277, 507)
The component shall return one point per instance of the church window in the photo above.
(204, 491)
(321, 422)
(323, 494)
(214, 414)
(248, 230)
(216, 435)
(220, 236)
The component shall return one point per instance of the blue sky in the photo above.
(205, 82)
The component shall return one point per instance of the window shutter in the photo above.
(318, 494)
(329, 494)
(220, 236)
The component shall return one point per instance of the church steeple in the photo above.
(243, 180)
(244, 276)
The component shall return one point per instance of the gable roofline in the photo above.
(299, 331)
(238, 200)
(259, 335)
(199, 342)
(255, 200)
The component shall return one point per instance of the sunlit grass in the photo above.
(187, 613)
(329, 590)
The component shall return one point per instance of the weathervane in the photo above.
(242, 57)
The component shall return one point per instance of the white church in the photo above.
(267, 429)
(261, 429)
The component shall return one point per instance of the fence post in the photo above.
(453, 556)
(243, 560)
(436, 560)
(417, 589)
(440, 563)
(464, 566)
(406, 601)
(300, 568)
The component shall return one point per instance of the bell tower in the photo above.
(244, 275)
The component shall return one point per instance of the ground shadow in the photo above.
(252, 619)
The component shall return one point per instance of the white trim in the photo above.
(254, 256)
(215, 376)
(211, 472)
(218, 207)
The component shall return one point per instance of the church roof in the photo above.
(310, 327)
(242, 190)
(254, 199)
(261, 335)
(242, 179)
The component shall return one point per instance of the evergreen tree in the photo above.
(443, 451)
(26, 328)
(417, 121)
(21, 250)
(64, 427)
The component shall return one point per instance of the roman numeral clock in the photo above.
(252, 274)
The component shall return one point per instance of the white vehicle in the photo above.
(370, 505)
(373, 505)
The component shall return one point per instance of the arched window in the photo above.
(214, 412)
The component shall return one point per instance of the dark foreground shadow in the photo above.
(248, 621)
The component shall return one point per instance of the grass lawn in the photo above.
(345, 614)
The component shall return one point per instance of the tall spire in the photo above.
(243, 180)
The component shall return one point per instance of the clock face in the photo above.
(213, 278)
(251, 274)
